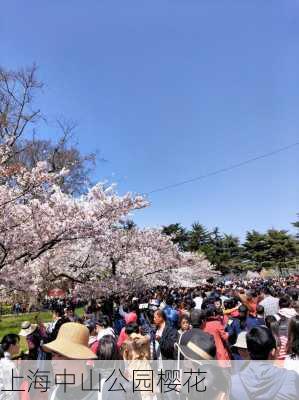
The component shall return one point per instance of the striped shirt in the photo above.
(271, 305)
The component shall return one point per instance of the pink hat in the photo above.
(131, 317)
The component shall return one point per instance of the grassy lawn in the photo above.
(12, 323)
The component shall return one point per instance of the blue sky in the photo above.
(169, 90)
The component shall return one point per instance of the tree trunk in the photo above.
(113, 264)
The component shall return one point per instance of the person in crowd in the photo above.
(172, 315)
(136, 355)
(230, 309)
(118, 321)
(218, 305)
(129, 318)
(273, 323)
(110, 357)
(236, 325)
(103, 327)
(165, 335)
(260, 380)
(58, 320)
(198, 299)
(69, 314)
(126, 307)
(292, 358)
(214, 327)
(285, 313)
(196, 348)
(9, 346)
(294, 294)
(185, 324)
(259, 320)
(197, 334)
(240, 350)
(71, 343)
(108, 349)
(293, 336)
(270, 303)
(132, 328)
(136, 347)
(183, 310)
(197, 319)
(249, 300)
(93, 341)
(91, 307)
(17, 309)
(9, 350)
(34, 341)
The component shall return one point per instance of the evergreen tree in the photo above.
(179, 235)
(296, 225)
(199, 238)
(225, 253)
(255, 248)
(276, 248)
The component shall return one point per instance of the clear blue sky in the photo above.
(168, 90)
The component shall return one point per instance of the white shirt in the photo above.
(198, 302)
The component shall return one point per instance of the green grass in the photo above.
(6, 308)
(12, 323)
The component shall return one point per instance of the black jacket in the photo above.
(169, 337)
(57, 326)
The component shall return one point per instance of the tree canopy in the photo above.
(275, 248)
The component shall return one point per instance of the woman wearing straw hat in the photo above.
(34, 341)
(71, 344)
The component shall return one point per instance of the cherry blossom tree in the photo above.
(49, 237)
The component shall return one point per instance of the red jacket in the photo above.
(216, 329)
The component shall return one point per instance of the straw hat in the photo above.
(241, 342)
(71, 342)
(27, 328)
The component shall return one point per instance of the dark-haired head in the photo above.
(293, 336)
(169, 301)
(159, 317)
(197, 318)
(272, 324)
(261, 343)
(103, 321)
(58, 312)
(10, 344)
(260, 310)
(284, 302)
(184, 322)
(243, 312)
(132, 328)
(267, 291)
(107, 349)
(211, 311)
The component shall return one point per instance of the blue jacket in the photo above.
(172, 316)
(252, 322)
(233, 328)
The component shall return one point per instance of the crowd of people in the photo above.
(48, 303)
(224, 321)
